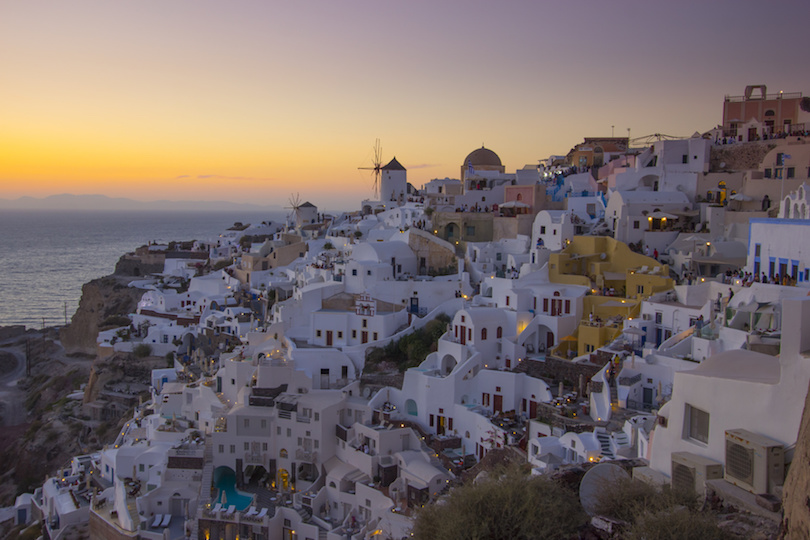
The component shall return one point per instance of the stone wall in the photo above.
(796, 503)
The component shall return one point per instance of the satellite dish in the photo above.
(595, 481)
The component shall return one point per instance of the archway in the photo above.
(410, 408)
(451, 231)
(448, 363)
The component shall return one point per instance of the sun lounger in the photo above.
(166, 520)
(252, 511)
(231, 509)
(217, 508)
(158, 519)
(262, 513)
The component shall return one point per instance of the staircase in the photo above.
(132, 508)
(604, 444)
(614, 397)
(205, 484)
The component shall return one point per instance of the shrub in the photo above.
(508, 504)
(675, 524)
(626, 499)
(142, 351)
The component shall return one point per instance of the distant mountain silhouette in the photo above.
(67, 201)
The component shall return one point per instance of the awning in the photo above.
(513, 204)
(664, 215)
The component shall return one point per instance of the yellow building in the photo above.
(619, 280)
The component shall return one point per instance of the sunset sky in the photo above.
(250, 100)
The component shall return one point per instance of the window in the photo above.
(354, 334)
(483, 333)
(368, 272)
(791, 172)
(141, 467)
(767, 173)
(340, 334)
(545, 305)
(221, 448)
(685, 158)
(264, 447)
(247, 446)
(636, 224)
(696, 424)
(317, 416)
(354, 272)
(278, 430)
(640, 289)
(431, 420)
(780, 158)
(289, 432)
(375, 336)
(498, 256)
(568, 306)
(317, 333)
(542, 229)
(499, 333)
(470, 230)
(233, 449)
(659, 317)
(757, 249)
(365, 323)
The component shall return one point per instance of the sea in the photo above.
(46, 256)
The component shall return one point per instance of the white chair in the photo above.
(158, 519)
(217, 508)
(252, 512)
(262, 513)
(231, 509)
(166, 520)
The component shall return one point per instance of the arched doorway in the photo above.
(451, 231)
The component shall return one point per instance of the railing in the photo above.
(758, 97)
(302, 419)
(311, 456)
(639, 405)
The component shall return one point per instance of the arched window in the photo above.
(410, 407)
(483, 334)
(770, 112)
(499, 333)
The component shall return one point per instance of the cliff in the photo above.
(101, 298)
(795, 500)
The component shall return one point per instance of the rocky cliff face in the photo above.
(796, 495)
(101, 298)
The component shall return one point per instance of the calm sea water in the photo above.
(46, 256)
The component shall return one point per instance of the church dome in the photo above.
(482, 157)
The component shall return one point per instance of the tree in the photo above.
(509, 504)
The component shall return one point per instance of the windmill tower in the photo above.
(377, 167)
(295, 205)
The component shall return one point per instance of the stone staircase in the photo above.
(205, 483)
(604, 444)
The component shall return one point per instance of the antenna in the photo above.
(377, 167)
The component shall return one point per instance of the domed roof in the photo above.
(483, 156)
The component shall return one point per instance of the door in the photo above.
(549, 340)
(440, 426)
(328, 338)
(497, 405)
(532, 409)
(364, 337)
(415, 305)
(324, 378)
(463, 336)
(648, 396)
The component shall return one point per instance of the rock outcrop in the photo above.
(796, 494)
(101, 298)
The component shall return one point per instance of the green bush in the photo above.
(509, 504)
(676, 524)
(626, 499)
(142, 351)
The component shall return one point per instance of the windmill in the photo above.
(376, 168)
(295, 204)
